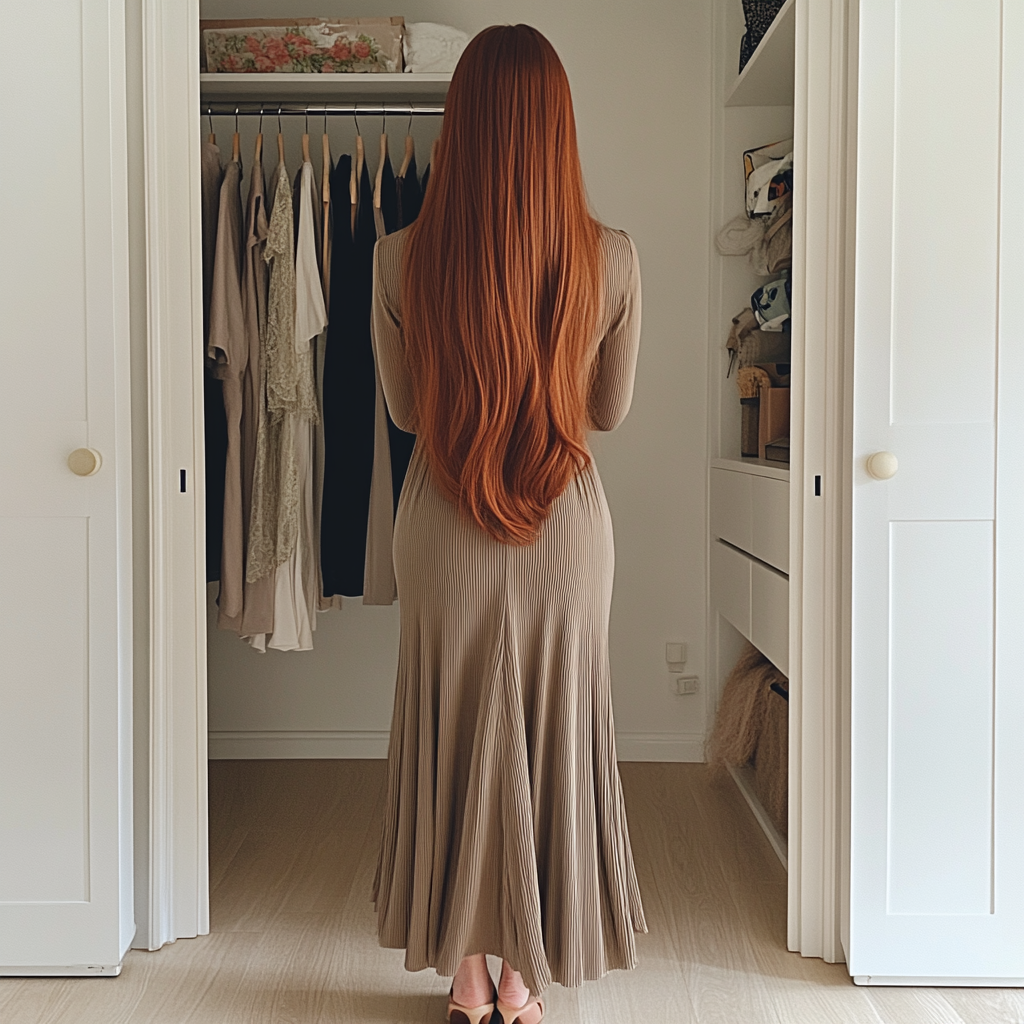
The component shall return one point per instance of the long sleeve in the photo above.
(386, 325)
(612, 389)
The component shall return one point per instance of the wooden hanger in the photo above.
(235, 141)
(280, 138)
(325, 180)
(211, 138)
(379, 180)
(259, 141)
(357, 173)
(325, 199)
(305, 142)
(410, 148)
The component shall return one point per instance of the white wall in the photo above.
(641, 78)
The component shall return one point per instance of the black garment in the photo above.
(423, 183)
(216, 441)
(409, 195)
(388, 197)
(349, 389)
(758, 15)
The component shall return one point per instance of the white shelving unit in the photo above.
(755, 467)
(347, 88)
(749, 499)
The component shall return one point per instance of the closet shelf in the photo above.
(753, 467)
(325, 88)
(767, 79)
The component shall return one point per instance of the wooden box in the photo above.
(774, 419)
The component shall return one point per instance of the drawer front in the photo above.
(731, 505)
(769, 615)
(770, 526)
(730, 585)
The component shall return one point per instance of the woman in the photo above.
(506, 323)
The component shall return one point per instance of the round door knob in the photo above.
(85, 461)
(883, 465)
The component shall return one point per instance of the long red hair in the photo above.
(502, 289)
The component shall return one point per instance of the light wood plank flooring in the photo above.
(293, 848)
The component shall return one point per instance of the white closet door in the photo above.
(65, 539)
(937, 859)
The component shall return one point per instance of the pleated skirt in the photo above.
(504, 826)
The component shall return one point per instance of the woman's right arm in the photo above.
(612, 390)
(386, 331)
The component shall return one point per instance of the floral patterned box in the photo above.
(303, 46)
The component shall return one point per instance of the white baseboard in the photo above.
(287, 743)
(71, 971)
(660, 746)
(743, 777)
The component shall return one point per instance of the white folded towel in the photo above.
(431, 48)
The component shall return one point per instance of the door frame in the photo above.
(824, 219)
(173, 868)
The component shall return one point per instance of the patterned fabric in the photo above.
(289, 387)
(504, 826)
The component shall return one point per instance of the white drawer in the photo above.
(769, 615)
(730, 585)
(751, 513)
(731, 505)
(770, 527)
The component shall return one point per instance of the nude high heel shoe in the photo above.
(512, 1014)
(458, 1014)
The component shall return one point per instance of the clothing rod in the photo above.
(271, 110)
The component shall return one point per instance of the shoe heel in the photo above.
(470, 1014)
(510, 1014)
(458, 1014)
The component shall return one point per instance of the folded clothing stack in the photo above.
(433, 49)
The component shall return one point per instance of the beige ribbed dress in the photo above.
(504, 826)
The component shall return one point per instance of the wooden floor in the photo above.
(293, 848)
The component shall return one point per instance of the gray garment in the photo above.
(257, 613)
(504, 825)
(211, 174)
(227, 354)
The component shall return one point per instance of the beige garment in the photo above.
(211, 173)
(504, 827)
(379, 570)
(257, 614)
(319, 218)
(227, 354)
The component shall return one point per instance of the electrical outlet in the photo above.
(675, 655)
(682, 686)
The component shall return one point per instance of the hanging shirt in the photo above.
(227, 355)
(349, 390)
(257, 613)
(282, 499)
